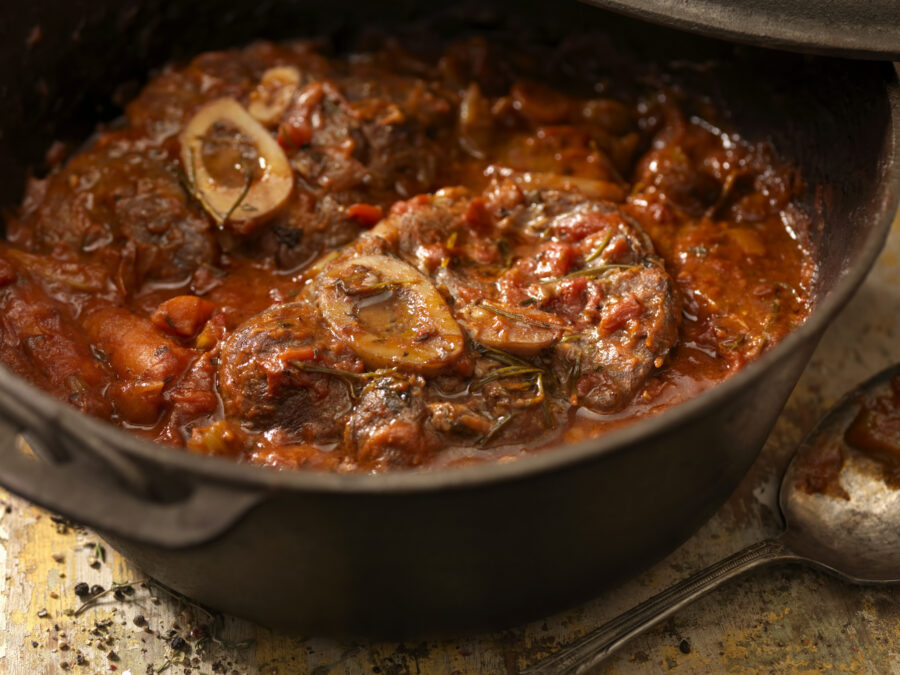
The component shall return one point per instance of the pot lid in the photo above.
(867, 29)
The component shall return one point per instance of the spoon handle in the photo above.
(595, 646)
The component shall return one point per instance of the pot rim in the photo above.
(65, 419)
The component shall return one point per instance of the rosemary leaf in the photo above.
(518, 317)
(590, 272)
(494, 430)
(247, 183)
(499, 355)
(597, 252)
(506, 371)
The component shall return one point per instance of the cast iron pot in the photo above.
(434, 551)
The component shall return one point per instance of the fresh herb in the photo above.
(518, 317)
(506, 251)
(498, 355)
(574, 376)
(348, 377)
(494, 430)
(117, 585)
(248, 181)
(591, 272)
(597, 252)
(506, 371)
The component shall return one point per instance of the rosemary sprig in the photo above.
(116, 585)
(591, 272)
(504, 372)
(574, 376)
(197, 193)
(518, 317)
(597, 252)
(313, 368)
(499, 355)
(348, 377)
(248, 181)
(498, 426)
(571, 336)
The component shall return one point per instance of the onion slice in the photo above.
(389, 313)
(236, 170)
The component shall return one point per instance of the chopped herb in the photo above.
(313, 368)
(597, 271)
(505, 251)
(97, 594)
(504, 372)
(498, 355)
(574, 376)
(494, 430)
(518, 317)
(597, 252)
(248, 181)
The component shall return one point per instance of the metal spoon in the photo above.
(856, 538)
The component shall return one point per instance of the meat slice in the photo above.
(543, 273)
(121, 204)
(279, 373)
(388, 426)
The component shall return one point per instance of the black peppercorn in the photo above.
(178, 643)
(82, 588)
(96, 589)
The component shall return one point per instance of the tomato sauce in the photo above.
(388, 260)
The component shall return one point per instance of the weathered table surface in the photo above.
(779, 619)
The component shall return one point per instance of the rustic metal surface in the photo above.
(784, 619)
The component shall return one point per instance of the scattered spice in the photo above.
(179, 643)
(82, 588)
(97, 589)
(139, 620)
(685, 647)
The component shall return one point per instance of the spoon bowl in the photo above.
(855, 536)
(846, 524)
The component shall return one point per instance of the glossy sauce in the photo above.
(125, 295)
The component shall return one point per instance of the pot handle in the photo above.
(87, 493)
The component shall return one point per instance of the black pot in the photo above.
(444, 550)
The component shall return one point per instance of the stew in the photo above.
(400, 258)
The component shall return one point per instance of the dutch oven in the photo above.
(442, 550)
